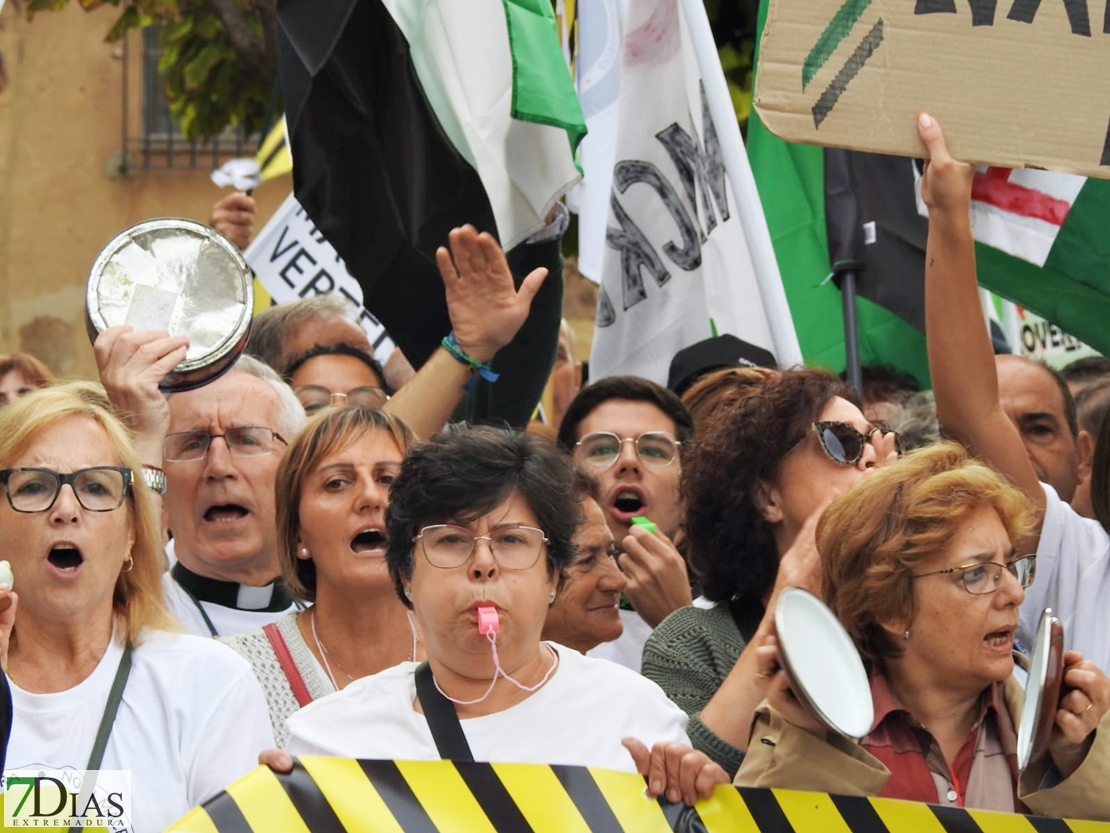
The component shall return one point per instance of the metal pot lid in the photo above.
(178, 275)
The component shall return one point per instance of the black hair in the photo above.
(632, 388)
(339, 349)
(465, 472)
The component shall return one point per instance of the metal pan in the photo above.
(177, 275)
(1042, 692)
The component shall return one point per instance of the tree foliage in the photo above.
(219, 57)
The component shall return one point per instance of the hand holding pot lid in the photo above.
(176, 275)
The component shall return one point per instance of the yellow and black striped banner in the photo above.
(332, 795)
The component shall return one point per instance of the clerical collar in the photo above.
(270, 598)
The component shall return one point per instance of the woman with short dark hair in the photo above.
(481, 523)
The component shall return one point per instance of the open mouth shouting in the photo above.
(371, 542)
(225, 513)
(65, 558)
(1000, 640)
(626, 502)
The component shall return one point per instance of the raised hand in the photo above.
(658, 583)
(131, 365)
(946, 182)
(233, 217)
(1080, 712)
(485, 307)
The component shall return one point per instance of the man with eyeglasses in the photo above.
(1073, 553)
(628, 434)
(220, 455)
(214, 451)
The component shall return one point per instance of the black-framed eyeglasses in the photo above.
(315, 398)
(601, 449)
(843, 444)
(514, 547)
(249, 441)
(98, 489)
(985, 576)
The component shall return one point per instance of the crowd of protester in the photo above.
(308, 556)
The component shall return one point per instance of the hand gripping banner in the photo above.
(331, 795)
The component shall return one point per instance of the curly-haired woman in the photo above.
(759, 475)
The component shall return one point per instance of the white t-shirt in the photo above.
(628, 648)
(228, 621)
(1073, 578)
(192, 720)
(578, 718)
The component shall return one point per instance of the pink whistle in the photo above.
(487, 619)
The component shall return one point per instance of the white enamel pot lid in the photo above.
(824, 666)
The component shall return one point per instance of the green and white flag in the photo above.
(494, 74)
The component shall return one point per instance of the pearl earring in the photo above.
(551, 596)
(906, 636)
(304, 552)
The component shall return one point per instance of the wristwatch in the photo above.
(155, 479)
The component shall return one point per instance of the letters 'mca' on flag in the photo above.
(676, 263)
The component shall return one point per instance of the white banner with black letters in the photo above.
(676, 263)
(292, 260)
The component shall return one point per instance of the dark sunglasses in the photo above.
(843, 444)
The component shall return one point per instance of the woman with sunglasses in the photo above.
(98, 678)
(919, 565)
(481, 524)
(754, 482)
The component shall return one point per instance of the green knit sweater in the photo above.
(689, 655)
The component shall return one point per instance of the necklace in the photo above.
(11, 676)
(326, 655)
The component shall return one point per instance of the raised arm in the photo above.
(961, 360)
(486, 311)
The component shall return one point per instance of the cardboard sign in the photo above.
(292, 260)
(1014, 83)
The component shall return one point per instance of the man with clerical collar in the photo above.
(214, 452)
(221, 456)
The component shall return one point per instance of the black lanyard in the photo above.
(443, 720)
(111, 708)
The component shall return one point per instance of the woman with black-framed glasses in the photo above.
(757, 474)
(919, 566)
(100, 677)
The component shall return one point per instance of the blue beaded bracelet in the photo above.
(475, 367)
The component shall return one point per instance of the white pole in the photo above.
(750, 209)
(1011, 325)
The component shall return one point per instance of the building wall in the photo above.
(62, 197)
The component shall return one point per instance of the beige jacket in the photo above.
(783, 755)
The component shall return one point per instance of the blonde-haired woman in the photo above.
(332, 493)
(99, 679)
(919, 565)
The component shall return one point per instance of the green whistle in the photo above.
(646, 523)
